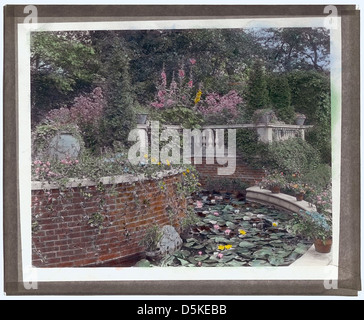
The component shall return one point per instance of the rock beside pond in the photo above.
(170, 241)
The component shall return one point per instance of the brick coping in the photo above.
(125, 178)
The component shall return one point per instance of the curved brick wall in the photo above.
(64, 237)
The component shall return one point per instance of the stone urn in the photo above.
(300, 119)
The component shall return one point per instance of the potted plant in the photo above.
(274, 182)
(300, 119)
(314, 226)
(298, 189)
(151, 242)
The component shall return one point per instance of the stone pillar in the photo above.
(265, 134)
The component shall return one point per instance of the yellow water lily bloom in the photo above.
(221, 247)
(228, 246)
(275, 224)
(243, 232)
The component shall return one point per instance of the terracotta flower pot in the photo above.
(323, 247)
(300, 196)
(276, 189)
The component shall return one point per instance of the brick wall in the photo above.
(63, 234)
(243, 172)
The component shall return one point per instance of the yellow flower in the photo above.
(198, 96)
(159, 163)
(154, 160)
(221, 247)
(188, 170)
(184, 173)
(146, 156)
(241, 231)
(228, 246)
(275, 224)
(168, 163)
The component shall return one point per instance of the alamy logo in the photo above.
(208, 144)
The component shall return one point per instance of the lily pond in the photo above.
(232, 232)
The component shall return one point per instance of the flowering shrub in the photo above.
(86, 113)
(220, 108)
(272, 180)
(176, 94)
(86, 110)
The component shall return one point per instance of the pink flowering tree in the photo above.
(85, 113)
(220, 109)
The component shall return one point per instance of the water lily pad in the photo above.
(222, 239)
(246, 244)
(183, 261)
(144, 263)
(258, 263)
(263, 253)
(231, 225)
(235, 263)
(276, 260)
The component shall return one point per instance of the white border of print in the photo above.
(31, 274)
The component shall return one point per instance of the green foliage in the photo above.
(248, 146)
(310, 91)
(119, 115)
(311, 225)
(151, 239)
(257, 93)
(291, 156)
(183, 116)
(61, 67)
(320, 176)
(280, 97)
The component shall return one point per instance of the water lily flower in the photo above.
(242, 232)
(199, 264)
(236, 211)
(192, 61)
(199, 204)
(221, 247)
(216, 227)
(275, 224)
(220, 255)
(216, 213)
(228, 246)
(200, 253)
(227, 231)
